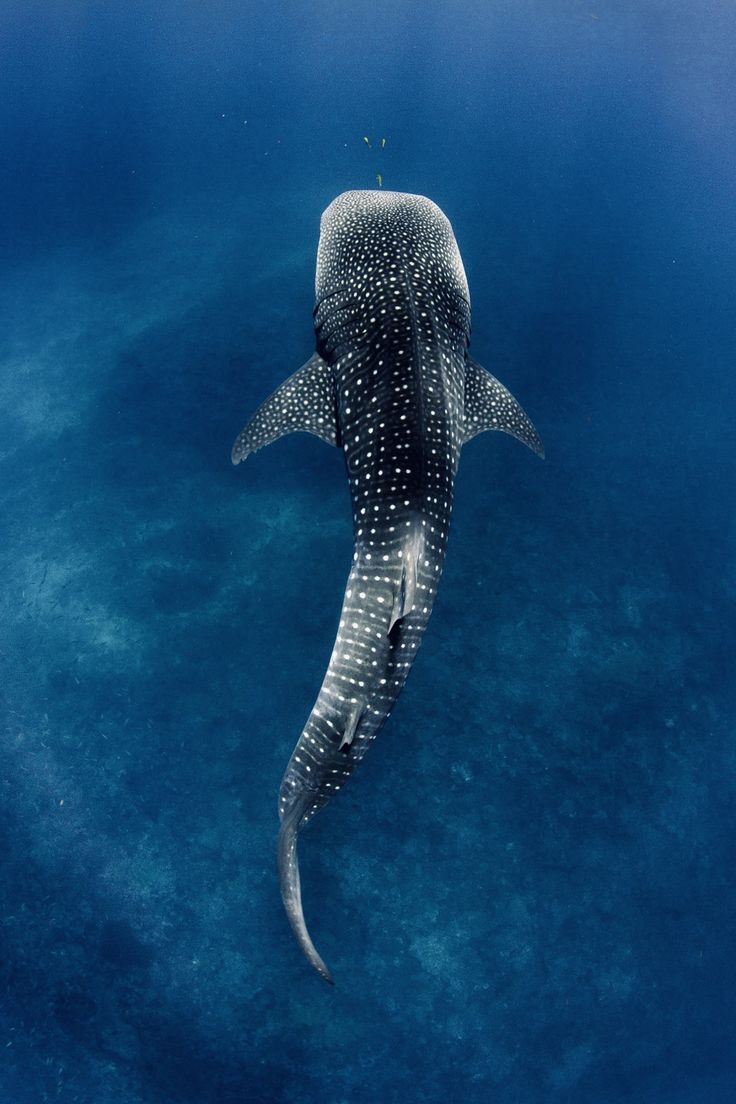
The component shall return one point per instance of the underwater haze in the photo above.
(526, 894)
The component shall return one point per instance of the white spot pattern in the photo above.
(391, 382)
(392, 320)
(305, 401)
(490, 405)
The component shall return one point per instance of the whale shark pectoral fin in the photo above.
(490, 405)
(305, 401)
(351, 726)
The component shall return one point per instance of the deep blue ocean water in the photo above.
(526, 894)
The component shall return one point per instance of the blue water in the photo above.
(526, 894)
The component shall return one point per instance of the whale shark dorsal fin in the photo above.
(490, 405)
(305, 401)
(405, 597)
(351, 725)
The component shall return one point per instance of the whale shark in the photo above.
(392, 384)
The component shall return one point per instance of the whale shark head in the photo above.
(364, 233)
(371, 240)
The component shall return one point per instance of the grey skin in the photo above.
(392, 384)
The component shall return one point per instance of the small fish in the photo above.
(368, 142)
(383, 143)
(379, 180)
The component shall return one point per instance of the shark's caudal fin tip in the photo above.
(312, 955)
(316, 961)
(325, 973)
(291, 889)
(314, 958)
(304, 939)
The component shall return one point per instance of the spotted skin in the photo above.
(392, 384)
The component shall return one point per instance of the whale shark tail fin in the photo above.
(291, 893)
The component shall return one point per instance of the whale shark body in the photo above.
(392, 384)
